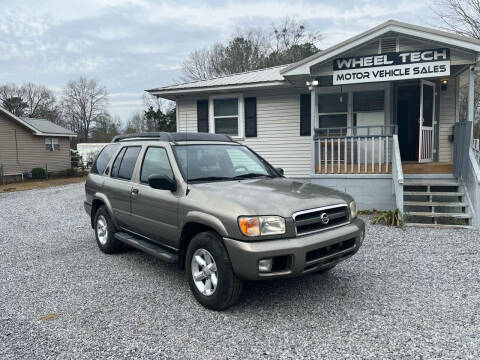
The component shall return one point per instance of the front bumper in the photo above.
(305, 253)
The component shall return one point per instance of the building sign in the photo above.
(392, 66)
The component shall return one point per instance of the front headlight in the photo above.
(353, 210)
(261, 225)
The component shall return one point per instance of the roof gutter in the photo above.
(54, 135)
(181, 91)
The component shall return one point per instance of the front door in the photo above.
(426, 121)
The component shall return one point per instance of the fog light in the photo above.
(265, 265)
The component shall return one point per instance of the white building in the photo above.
(373, 115)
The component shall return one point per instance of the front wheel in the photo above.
(210, 273)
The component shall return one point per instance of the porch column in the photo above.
(313, 125)
(471, 94)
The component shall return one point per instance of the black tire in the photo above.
(229, 286)
(111, 245)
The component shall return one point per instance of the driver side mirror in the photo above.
(162, 182)
(280, 171)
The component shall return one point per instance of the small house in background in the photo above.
(26, 144)
(378, 116)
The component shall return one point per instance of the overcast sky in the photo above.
(132, 45)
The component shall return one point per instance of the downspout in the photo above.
(16, 145)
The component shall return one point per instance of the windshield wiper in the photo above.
(250, 176)
(211, 178)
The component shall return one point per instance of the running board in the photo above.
(147, 246)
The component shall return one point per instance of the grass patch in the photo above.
(40, 184)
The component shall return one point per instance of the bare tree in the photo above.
(463, 18)
(136, 124)
(40, 101)
(30, 100)
(289, 33)
(11, 99)
(252, 49)
(459, 16)
(84, 102)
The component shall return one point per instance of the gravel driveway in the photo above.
(412, 294)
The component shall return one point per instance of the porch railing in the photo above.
(466, 167)
(356, 153)
(397, 174)
(356, 131)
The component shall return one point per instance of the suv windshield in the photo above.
(212, 162)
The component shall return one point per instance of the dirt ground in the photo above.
(39, 184)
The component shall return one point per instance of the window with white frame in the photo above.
(52, 144)
(332, 113)
(226, 117)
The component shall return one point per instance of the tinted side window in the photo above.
(155, 163)
(128, 162)
(117, 162)
(104, 158)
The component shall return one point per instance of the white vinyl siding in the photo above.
(278, 135)
(278, 132)
(446, 121)
(20, 150)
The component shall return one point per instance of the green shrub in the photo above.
(70, 172)
(39, 173)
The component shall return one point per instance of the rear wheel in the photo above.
(210, 273)
(104, 232)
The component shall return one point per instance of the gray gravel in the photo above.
(408, 294)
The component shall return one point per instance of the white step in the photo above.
(439, 226)
(434, 193)
(431, 183)
(438, 215)
(435, 203)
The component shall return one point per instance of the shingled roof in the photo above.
(39, 127)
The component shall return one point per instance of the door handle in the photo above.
(134, 191)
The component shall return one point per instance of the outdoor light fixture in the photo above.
(444, 84)
(312, 84)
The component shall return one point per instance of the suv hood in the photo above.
(267, 196)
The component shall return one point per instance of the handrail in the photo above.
(386, 130)
(397, 174)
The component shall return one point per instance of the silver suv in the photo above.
(217, 209)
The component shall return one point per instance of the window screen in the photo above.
(104, 158)
(332, 103)
(155, 163)
(369, 101)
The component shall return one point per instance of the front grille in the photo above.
(309, 221)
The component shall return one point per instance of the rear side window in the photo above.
(117, 162)
(104, 158)
(125, 162)
(155, 163)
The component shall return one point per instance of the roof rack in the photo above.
(177, 136)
